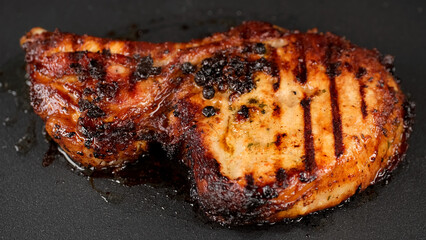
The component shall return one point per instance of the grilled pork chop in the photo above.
(272, 123)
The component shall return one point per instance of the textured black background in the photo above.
(54, 202)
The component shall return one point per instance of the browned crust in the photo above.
(97, 117)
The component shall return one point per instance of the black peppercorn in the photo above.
(187, 68)
(208, 92)
(259, 48)
(209, 111)
(200, 78)
(244, 111)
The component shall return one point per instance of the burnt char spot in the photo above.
(244, 112)
(79, 71)
(76, 66)
(309, 159)
(333, 69)
(98, 155)
(145, 69)
(278, 138)
(209, 111)
(106, 52)
(276, 111)
(71, 134)
(276, 86)
(87, 91)
(360, 73)
(262, 64)
(83, 104)
(348, 66)
(87, 143)
(93, 111)
(147, 135)
(96, 70)
(187, 68)
(106, 90)
(281, 177)
(176, 113)
(253, 101)
(107, 137)
(269, 192)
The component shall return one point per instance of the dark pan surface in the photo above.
(55, 202)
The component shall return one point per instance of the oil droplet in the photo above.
(9, 121)
(26, 142)
(107, 196)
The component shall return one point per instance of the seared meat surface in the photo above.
(272, 123)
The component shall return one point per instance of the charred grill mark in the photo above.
(275, 59)
(281, 177)
(359, 74)
(337, 121)
(300, 70)
(276, 86)
(332, 71)
(310, 164)
(363, 104)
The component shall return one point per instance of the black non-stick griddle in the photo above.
(57, 202)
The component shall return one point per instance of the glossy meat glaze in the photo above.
(272, 123)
